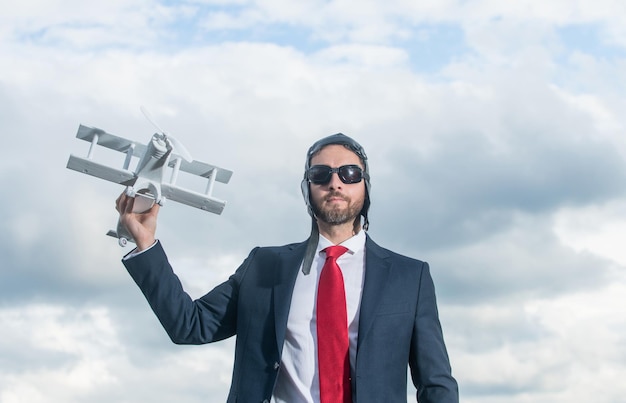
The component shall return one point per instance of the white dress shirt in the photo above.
(298, 380)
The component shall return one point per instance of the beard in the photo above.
(335, 215)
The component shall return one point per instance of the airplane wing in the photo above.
(90, 167)
(191, 198)
(122, 145)
(110, 140)
(204, 170)
(100, 137)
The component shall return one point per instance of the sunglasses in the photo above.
(321, 174)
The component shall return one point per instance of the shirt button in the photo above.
(276, 366)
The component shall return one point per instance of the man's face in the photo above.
(336, 202)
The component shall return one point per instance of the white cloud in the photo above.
(61, 354)
(501, 166)
(64, 353)
(574, 340)
(596, 229)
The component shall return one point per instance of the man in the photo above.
(315, 322)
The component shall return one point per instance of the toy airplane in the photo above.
(148, 183)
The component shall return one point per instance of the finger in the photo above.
(154, 210)
(129, 204)
(122, 203)
(118, 203)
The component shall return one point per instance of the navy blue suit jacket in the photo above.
(398, 323)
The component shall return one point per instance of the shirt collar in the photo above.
(354, 244)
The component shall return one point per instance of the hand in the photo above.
(142, 226)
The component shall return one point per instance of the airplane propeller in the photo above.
(170, 140)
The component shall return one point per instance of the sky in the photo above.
(495, 136)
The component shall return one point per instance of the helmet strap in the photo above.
(311, 247)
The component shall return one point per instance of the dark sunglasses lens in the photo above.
(350, 174)
(319, 174)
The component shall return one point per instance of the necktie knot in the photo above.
(333, 252)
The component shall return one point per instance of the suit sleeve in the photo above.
(429, 362)
(210, 318)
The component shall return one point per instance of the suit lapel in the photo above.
(377, 268)
(289, 263)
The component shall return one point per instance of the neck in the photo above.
(338, 233)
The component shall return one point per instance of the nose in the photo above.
(335, 182)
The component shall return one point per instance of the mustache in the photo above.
(336, 195)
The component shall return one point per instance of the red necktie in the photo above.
(332, 332)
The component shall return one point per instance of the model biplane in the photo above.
(149, 183)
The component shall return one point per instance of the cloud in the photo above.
(494, 134)
(70, 354)
(593, 229)
(544, 347)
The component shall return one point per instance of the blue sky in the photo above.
(495, 133)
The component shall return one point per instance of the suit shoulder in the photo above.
(394, 256)
(280, 248)
(277, 250)
(405, 259)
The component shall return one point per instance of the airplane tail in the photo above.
(123, 237)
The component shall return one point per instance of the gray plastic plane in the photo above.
(148, 184)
